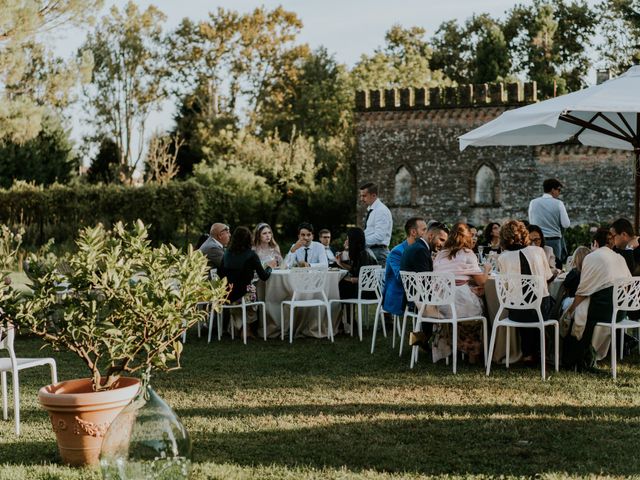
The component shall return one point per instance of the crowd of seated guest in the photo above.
(431, 246)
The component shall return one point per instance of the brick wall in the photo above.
(423, 139)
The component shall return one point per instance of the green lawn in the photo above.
(316, 410)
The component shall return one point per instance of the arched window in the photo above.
(485, 191)
(403, 186)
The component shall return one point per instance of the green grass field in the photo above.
(316, 410)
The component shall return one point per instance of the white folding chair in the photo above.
(243, 306)
(14, 364)
(380, 315)
(368, 281)
(411, 293)
(208, 306)
(438, 290)
(522, 292)
(307, 282)
(626, 297)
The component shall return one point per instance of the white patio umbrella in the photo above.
(605, 115)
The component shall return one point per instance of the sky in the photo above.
(346, 28)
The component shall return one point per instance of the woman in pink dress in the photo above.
(457, 257)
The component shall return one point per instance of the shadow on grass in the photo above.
(479, 445)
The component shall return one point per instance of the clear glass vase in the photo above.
(146, 441)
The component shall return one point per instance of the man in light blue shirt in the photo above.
(378, 223)
(549, 213)
(305, 252)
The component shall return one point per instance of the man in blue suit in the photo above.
(393, 293)
(417, 258)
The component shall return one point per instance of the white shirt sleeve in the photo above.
(564, 217)
(317, 253)
(379, 226)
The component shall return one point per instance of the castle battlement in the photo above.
(476, 95)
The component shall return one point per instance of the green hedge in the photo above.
(177, 212)
(174, 212)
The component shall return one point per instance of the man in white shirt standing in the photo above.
(305, 252)
(378, 223)
(549, 213)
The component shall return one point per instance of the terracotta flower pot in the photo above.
(80, 417)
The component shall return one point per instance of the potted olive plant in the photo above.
(121, 306)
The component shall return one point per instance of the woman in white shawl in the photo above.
(593, 303)
(457, 257)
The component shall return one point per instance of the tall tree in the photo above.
(550, 41)
(402, 62)
(128, 78)
(491, 61)
(619, 29)
(318, 104)
(32, 79)
(452, 51)
(235, 63)
(44, 159)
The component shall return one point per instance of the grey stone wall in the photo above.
(598, 182)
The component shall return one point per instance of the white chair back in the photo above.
(626, 294)
(308, 280)
(369, 280)
(7, 336)
(436, 288)
(519, 292)
(410, 286)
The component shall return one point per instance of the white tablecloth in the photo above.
(278, 288)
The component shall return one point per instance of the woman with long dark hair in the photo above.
(239, 264)
(491, 238)
(359, 256)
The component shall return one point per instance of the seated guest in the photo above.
(474, 236)
(239, 264)
(593, 303)
(213, 247)
(536, 237)
(625, 243)
(359, 256)
(519, 257)
(414, 228)
(265, 245)
(458, 258)
(491, 238)
(305, 252)
(325, 240)
(572, 280)
(417, 257)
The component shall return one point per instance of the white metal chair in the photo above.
(307, 282)
(522, 292)
(438, 290)
(409, 284)
(243, 306)
(626, 297)
(368, 281)
(380, 315)
(14, 364)
(208, 306)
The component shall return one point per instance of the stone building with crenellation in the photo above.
(407, 143)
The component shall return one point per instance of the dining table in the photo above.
(278, 288)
